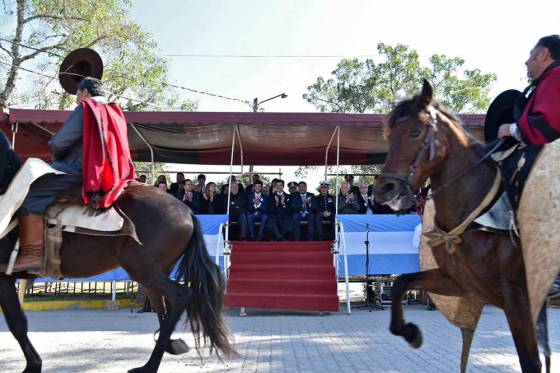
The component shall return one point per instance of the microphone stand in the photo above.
(372, 297)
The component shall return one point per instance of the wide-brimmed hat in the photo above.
(79, 64)
(501, 111)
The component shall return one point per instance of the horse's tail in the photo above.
(205, 309)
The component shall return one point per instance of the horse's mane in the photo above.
(411, 108)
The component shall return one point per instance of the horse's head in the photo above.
(418, 145)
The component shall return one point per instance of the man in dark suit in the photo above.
(237, 208)
(177, 189)
(325, 210)
(303, 206)
(347, 201)
(279, 209)
(191, 198)
(257, 210)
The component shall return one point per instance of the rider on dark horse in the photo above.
(539, 122)
(94, 136)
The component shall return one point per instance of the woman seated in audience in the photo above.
(161, 183)
(210, 200)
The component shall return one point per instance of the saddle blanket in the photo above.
(71, 217)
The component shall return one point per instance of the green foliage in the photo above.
(134, 74)
(369, 86)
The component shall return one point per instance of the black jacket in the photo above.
(196, 203)
(350, 207)
(278, 207)
(237, 204)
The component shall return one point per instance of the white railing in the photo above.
(341, 238)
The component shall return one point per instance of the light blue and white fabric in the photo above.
(211, 230)
(393, 248)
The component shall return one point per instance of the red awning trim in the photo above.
(205, 137)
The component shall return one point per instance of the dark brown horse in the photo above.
(427, 142)
(169, 232)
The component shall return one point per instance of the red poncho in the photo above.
(540, 122)
(107, 164)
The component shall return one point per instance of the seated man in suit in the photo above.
(278, 210)
(191, 198)
(365, 199)
(237, 208)
(178, 188)
(347, 201)
(303, 206)
(325, 210)
(257, 210)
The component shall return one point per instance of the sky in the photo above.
(494, 36)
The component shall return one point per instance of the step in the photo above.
(241, 246)
(258, 258)
(320, 303)
(272, 272)
(283, 286)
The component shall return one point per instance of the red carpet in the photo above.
(282, 275)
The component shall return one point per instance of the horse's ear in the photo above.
(427, 94)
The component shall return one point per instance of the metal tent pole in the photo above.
(153, 171)
(337, 166)
(227, 243)
(15, 128)
(327, 151)
(241, 149)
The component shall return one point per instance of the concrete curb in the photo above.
(77, 304)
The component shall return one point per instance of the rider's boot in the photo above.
(31, 248)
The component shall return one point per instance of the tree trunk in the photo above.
(16, 60)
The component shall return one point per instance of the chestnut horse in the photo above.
(425, 142)
(168, 231)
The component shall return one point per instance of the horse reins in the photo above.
(429, 145)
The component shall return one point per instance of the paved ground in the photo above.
(114, 341)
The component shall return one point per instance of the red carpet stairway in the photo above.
(282, 275)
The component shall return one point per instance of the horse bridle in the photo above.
(429, 145)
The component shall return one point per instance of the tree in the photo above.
(42, 32)
(370, 86)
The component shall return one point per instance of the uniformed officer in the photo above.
(325, 209)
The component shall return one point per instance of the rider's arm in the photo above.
(70, 133)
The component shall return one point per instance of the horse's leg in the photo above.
(520, 325)
(177, 297)
(176, 346)
(467, 335)
(434, 281)
(542, 336)
(17, 322)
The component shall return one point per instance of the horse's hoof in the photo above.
(33, 369)
(177, 347)
(413, 335)
(140, 370)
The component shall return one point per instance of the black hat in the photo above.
(501, 111)
(292, 184)
(79, 64)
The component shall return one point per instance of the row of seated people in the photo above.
(277, 212)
